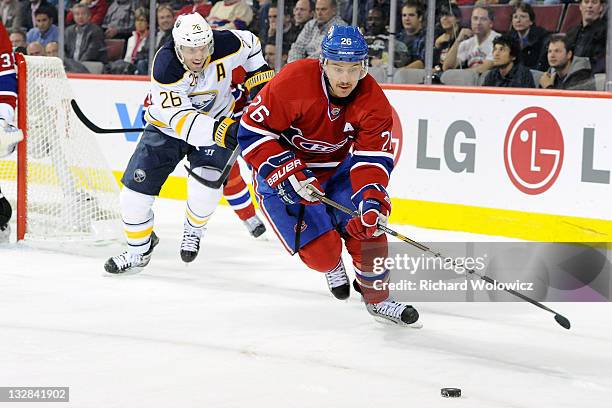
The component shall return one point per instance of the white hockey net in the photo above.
(71, 191)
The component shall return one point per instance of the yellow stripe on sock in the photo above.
(138, 234)
(196, 220)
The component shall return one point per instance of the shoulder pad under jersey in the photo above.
(167, 69)
(226, 43)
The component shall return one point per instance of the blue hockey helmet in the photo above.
(345, 44)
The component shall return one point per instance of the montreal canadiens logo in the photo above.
(295, 137)
(533, 150)
(316, 146)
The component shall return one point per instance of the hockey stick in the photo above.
(208, 183)
(215, 184)
(562, 320)
(94, 128)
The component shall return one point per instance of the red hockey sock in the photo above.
(237, 194)
(363, 254)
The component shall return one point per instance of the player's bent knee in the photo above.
(135, 206)
(207, 173)
(323, 253)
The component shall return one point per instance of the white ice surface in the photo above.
(248, 326)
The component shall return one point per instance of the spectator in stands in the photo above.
(289, 36)
(97, 8)
(165, 22)
(10, 12)
(119, 20)
(473, 48)
(413, 34)
(52, 49)
(36, 49)
(450, 17)
(18, 39)
(45, 31)
(308, 43)
(199, 6)
(137, 51)
(588, 39)
(508, 71)
(531, 38)
(345, 11)
(566, 71)
(377, 38)
(261, 19)
(385, 5)
(83, 40)
(270, 53)
(303, 12)
(230, 15)
(70, 65)
(28, 9)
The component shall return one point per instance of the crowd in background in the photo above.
(483, 42)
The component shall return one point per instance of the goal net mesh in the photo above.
(71, 191)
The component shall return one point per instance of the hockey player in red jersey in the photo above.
(9, 134)
(326, 125)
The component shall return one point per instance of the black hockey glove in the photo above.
(256, 80)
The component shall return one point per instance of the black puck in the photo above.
(450, 392)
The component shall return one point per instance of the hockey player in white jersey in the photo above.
(190, 116)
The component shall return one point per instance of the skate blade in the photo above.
(388, 322)
(132, 271)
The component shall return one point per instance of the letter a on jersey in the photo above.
(348, 127)
(220, 72)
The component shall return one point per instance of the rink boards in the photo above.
(529, 164)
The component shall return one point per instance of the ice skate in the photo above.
(390, 311)
(255, 226)
(338, 282)
(398, 313)
(190, 246)
(128, 263)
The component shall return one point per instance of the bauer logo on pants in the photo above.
(533, 150)
(139, 175)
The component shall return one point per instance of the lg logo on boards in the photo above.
(533, 151)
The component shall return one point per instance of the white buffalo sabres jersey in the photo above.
(186, 105)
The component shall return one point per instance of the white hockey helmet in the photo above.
(191, 30)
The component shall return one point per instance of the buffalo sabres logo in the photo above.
(330, 33)
(203, 101)
(296, 138)
(140, 175)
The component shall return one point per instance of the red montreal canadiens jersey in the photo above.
(293, 112)
(8, 78)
